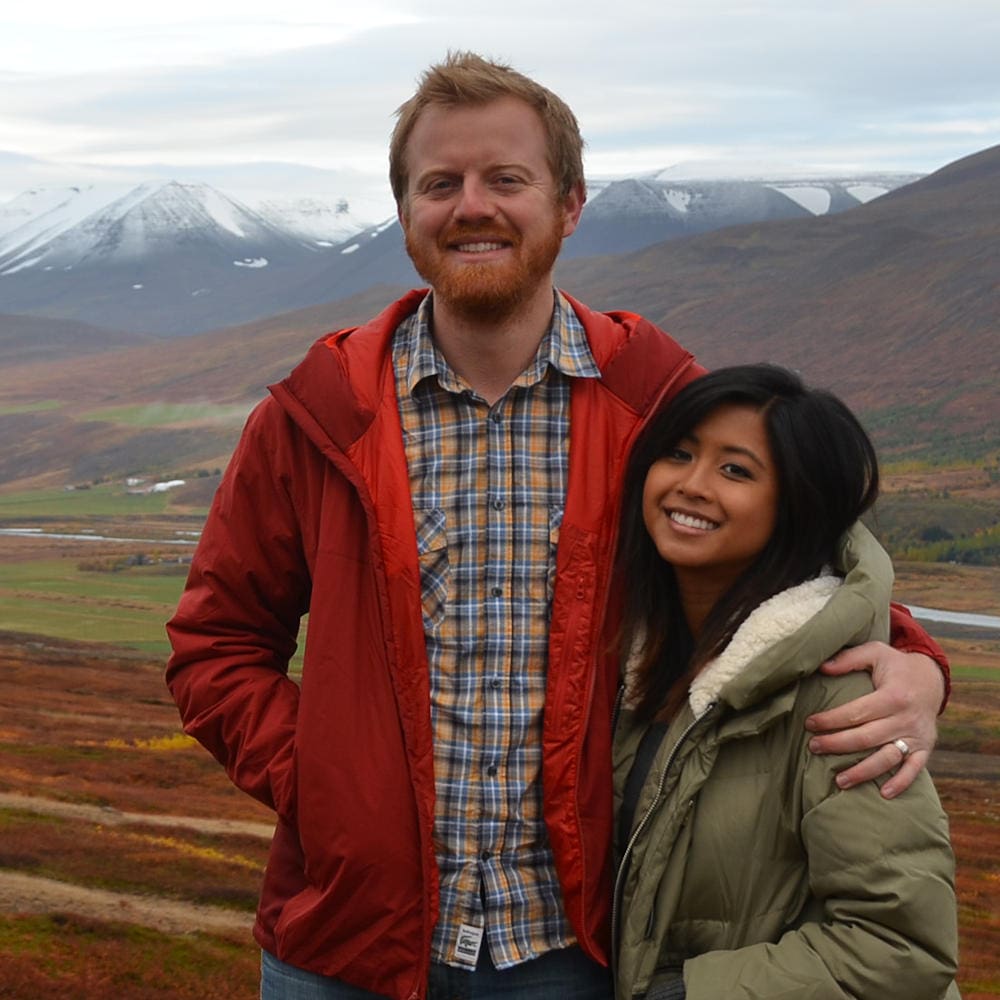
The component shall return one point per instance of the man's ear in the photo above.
(572, 207)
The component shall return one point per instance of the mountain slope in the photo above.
(894, 304)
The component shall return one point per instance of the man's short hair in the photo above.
(465, 78)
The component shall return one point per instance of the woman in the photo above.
(743, 871)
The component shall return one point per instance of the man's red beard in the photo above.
(492, 290)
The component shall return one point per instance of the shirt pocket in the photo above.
(435, 572)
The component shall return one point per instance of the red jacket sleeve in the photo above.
(910, 637)
(236, 624)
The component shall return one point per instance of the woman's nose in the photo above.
(695, 482)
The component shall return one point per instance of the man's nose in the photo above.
(475, 200)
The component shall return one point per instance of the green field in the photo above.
(56, 598)
(168, 414)
(104, 500)
(38, 406)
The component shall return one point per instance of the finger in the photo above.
(867, 708)
(883, 760)
(870, 736)
(862, 657)
(905, 776)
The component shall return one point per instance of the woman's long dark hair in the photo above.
(827, 476)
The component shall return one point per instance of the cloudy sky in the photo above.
(198, 89)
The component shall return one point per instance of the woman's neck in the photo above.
(699, 592)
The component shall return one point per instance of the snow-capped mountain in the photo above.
(142, 223)
(163, 257)
(171, 258)
(636, 212)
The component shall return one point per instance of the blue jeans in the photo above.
(565, 973)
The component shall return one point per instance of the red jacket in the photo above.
(314, 515)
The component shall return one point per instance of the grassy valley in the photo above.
(130, 865)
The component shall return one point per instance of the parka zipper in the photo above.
(639, 829)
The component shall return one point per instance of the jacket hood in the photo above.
(787, 636)
(777, 618)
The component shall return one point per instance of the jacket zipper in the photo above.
(640, 827)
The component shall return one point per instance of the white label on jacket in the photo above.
(467, 946)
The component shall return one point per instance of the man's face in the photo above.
(482, 216)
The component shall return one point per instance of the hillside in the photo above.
(894, 304)
(24, 339)
(152, 408)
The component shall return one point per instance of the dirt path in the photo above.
(113, 817)
(21, 893)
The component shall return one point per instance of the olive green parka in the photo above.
(745, 868)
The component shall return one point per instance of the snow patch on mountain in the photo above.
(222, 210)
(30, 262)
(812, 199)
(326, 224)
(678, 198)
(867, 192)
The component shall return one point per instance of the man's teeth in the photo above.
(479, 247)
(688, 521)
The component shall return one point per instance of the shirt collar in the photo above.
(563, 348)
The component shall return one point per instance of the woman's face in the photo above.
(710, 505)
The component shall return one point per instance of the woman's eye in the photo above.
(737, 471)
(678, 455)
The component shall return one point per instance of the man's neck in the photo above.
(489, 352)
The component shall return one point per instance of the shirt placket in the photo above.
(497, 638)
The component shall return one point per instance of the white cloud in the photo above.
(881, 83)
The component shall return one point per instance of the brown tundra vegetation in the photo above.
(129, 866)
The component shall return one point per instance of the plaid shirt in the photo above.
(488, 487)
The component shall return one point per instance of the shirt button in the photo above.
(495, 683)
(496, 591)
(498, 505)
(486, 855)
(492, 770)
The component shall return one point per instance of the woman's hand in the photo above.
(903, 709)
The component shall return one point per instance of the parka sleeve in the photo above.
(882, 872)
(235, 627)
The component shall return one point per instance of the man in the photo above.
(438, 489)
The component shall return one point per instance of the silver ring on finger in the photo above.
(902, 746)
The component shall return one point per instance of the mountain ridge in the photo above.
(172, 258)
